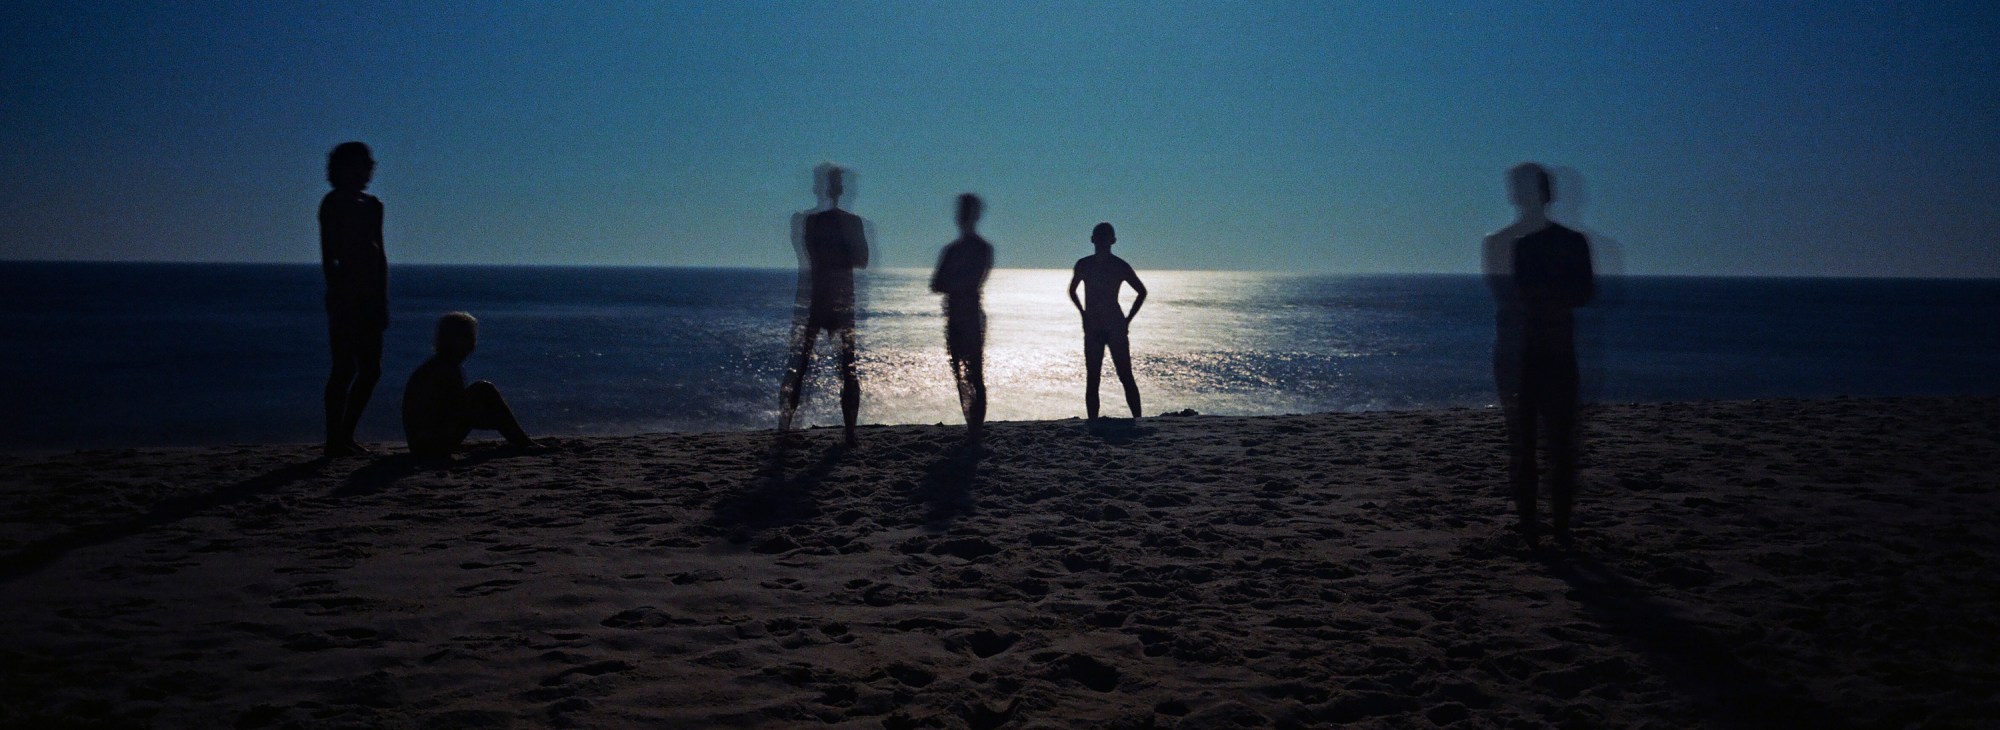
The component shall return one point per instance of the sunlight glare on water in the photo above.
(1204, 340)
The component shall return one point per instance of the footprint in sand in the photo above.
(512, 566)
(643, 617)
(593, 669)
(488, 588)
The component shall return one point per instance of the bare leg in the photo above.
(1521, 470)
(1561, 424)
(1093, 361)
(795, 377)
(1121, 358)
(337, 383)
(966, 372)
(975, 417)
(850, 386)
(369, 372)
(485, 409)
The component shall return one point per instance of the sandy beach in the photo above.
(1778, 563)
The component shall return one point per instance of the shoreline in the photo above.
(1779, 561)
(481, 440)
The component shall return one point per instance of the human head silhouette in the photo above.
(1528, 185)
(829, 183)
(969, 208)
(1103, 235)
(456, 336)
(350, 166)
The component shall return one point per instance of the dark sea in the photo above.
(116, 355)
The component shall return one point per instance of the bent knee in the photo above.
(483, 388)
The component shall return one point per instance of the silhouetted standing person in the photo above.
(832, 244)
(1105, 324)
(357, 291)
(439, 409)
(1540, 272)
(961, 274)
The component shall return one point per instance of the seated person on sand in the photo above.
(439, 409)
(1104, 323)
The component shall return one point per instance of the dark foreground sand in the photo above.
(1766, 563)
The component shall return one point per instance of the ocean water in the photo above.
(99, 355)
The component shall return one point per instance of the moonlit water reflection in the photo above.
(1215, 342)
(628, 350)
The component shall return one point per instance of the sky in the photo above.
(1693, 138)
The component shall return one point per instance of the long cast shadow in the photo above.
(1729, 693)
(946, 487)
(1117, 431)
(377, 475)
(41, 553)
(774, 499)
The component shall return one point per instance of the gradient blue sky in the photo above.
(1713, 138)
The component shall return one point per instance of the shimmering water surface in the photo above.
(143, 354)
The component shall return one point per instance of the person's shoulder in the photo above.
(1513, 231)
(338, 198)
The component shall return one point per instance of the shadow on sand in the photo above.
(946, 487)
(1116, 431)
(39, 554)
(774, 499)
(383, 471)
(1701, 664)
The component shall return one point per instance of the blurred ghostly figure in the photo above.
(961, 273)
(1105, 324)
(1539, 272)
(831, 244)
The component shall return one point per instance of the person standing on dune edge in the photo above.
(357, 291)
(1539, 272)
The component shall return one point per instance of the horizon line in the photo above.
(149, 262)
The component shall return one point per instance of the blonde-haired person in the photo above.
(439, 409)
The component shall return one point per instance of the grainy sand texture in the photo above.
(1823, 563)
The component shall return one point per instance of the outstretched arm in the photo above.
(1132, 277)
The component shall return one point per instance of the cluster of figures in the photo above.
(1539, 272)
(832, 243)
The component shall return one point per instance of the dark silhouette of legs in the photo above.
(850, 386)
(1560, 420)
(965, 345)
(969, 372)
(485, 409)
(1121, 359)
(794, 386)
(795, 376)
(1093, 361)
(357, 367)
(1521, 469)
(1545, 407)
